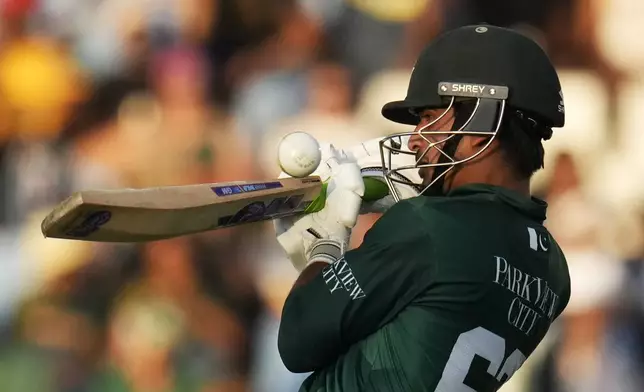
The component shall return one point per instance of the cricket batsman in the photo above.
(454, 287)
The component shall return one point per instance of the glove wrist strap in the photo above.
(325, 251)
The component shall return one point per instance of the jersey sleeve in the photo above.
(364, 290)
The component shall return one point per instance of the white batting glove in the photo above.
(367, 154)
(323, 236)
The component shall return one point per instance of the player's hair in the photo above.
(520, 137)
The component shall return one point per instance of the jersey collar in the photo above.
(533, 207)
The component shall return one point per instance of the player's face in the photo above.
(422, 143)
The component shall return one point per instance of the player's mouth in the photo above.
(424, 172)
(422, 158)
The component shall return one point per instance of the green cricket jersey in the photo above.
(445, 294)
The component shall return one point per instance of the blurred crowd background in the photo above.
(137, 93)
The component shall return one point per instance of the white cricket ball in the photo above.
(299, 154)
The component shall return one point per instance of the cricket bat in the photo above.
(150, 214)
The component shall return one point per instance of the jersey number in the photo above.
(491, 347)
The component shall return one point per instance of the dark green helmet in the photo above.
(483, 55)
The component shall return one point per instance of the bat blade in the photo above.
(149, 214)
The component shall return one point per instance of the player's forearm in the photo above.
(309, 338)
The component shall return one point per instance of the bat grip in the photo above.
(374, 189)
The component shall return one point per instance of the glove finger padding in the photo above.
(334, 222)
(293, 238)
(345, 190)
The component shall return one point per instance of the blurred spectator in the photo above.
(499, 12)
(369, 36)
(327, 115)
(212, 283)
(271, 80)
(39, 173)
(567, 29)
(626, 325)
(142, 333)
(266, 101)
(581, 360)
(256, 36)
(53, 350)
(275, 277)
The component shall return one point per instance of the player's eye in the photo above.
(427, 117)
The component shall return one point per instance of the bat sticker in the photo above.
(259, 210)
(90, 224)
(229, 190)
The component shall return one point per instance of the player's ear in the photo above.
(474, 143)
(479, 142)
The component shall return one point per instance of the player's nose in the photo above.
(416, 143)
